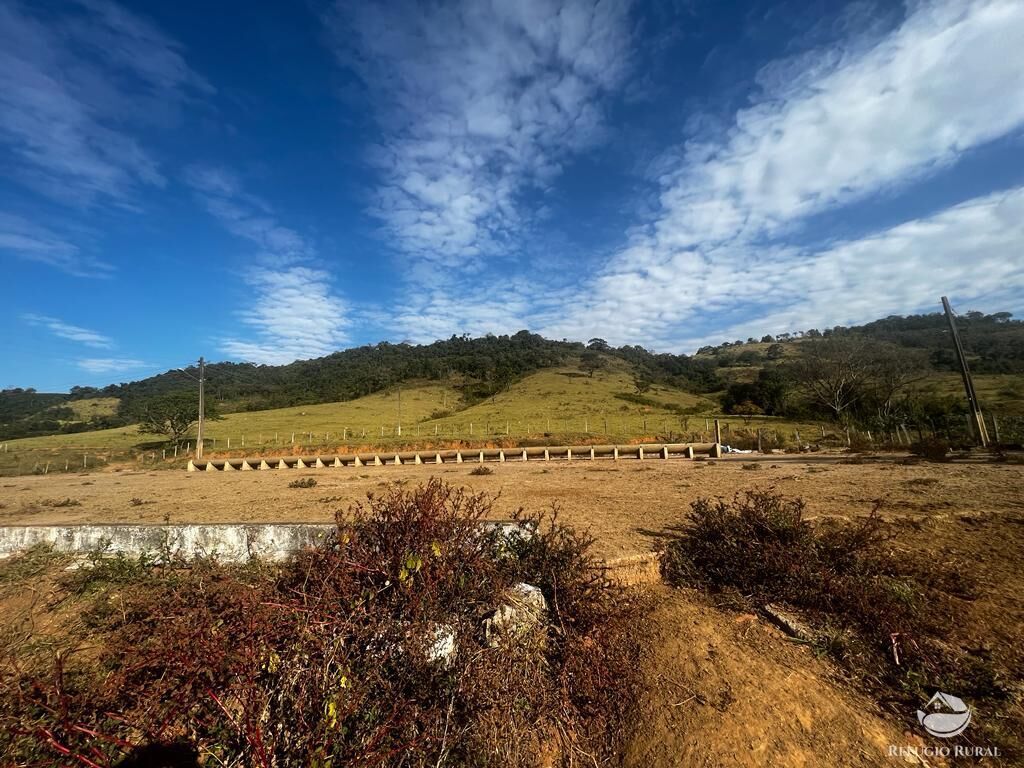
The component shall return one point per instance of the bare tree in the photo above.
(748, 410)
(835, 372)
(841, 373)
(895, 370)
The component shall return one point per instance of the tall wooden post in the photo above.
(202, 409)
(972, 397)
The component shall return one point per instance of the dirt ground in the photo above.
(723, 689)
(625, 504)
(730, 690)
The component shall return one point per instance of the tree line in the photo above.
(861, 373)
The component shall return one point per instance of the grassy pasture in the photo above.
(562, 402)
(566, 401)
(93, 407)
(555, 405)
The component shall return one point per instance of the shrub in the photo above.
(303, 482)
(931, 449)
(68, 502)
(326, 659)
(482, 470)
(863, 596)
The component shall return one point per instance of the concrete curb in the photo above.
(459, 456)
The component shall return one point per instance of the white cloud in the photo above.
(71, 83)
(98, 365)
(846, 125)
(970, 252)
(34, 242)
(294, 312)
(294, 316)
(70, 332)
(498, 309)
(245, 215)
(484, 100)
(949, 79)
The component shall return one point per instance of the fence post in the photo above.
(995, 429)
(718, 432)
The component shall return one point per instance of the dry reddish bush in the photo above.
(862, 595)
(326, 660)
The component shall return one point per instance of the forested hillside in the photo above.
(481, 367)
(993, 343)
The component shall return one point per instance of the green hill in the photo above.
(528, 386)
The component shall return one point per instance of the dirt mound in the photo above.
(728, 689)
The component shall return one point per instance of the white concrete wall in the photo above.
(233, 543)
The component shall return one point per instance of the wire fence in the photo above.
(756, 433)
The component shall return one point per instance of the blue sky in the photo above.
(274, 181)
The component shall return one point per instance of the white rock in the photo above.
(441, 644)
(522, 611)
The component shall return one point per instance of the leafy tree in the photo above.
(768, 392)
(642, 382)
(591, 361)
(599, 344)
(172, 415)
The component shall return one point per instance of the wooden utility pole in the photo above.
(976, 419)
(202, 410)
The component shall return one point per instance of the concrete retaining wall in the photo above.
(460, 456)
(233, 542)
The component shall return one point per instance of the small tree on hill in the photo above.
(642, 382)
(591, 361)
(747, 410)
(172, 415)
